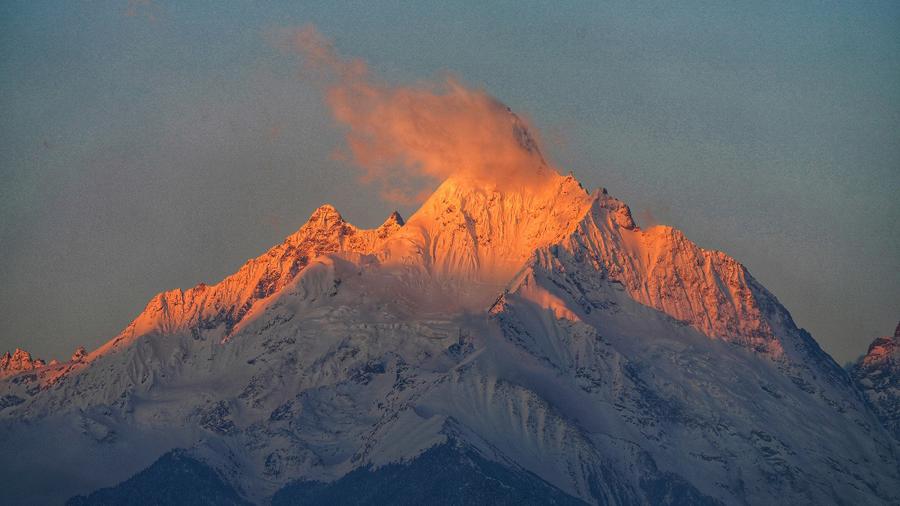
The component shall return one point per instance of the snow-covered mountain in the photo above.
(527, 335)
(877, 375)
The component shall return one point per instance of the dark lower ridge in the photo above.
(452, 473)
(443, 475)
(174, 479)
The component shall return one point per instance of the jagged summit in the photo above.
(325, 210)
(883, 351)
(390, 225)
(327, 226)
(393, 219)
(79, 355)
(217, 309)
(877, 375)
(325, 222)
(19, 361)
(885, 348)
(324, 216)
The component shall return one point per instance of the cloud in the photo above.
(407, 137)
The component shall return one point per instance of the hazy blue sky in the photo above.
(151, 145)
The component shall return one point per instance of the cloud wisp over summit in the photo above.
(407, 137)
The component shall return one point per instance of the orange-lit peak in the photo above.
(393, 219)
(326, 213)
(19, 361)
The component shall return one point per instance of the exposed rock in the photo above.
(18, 362)
(79, 354)
(877, 375)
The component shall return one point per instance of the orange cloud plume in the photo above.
(407, 137)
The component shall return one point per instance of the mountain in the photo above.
(18, 362)
(533, 341)
(877, 375)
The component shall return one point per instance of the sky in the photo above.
(149, 145)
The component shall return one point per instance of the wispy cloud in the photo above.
(405, 137)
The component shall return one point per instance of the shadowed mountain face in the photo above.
(448, 474)
(536, 342)
(174, 479)
(443, 474)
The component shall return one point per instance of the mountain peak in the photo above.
(877, 375)
(393, 223)
(220, 309)
(883, 349)
(79, 354)
(326, 213)
(393, 219)
(325, 225)
(19, 361)
(477, 230)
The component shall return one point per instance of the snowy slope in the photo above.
(539, 328)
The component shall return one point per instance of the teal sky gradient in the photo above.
(151, 145)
